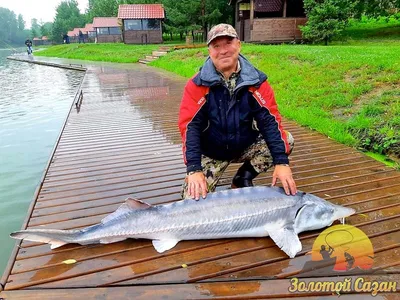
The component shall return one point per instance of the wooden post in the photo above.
(284, 8)
(251, 15)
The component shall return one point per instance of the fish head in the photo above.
(317, 213)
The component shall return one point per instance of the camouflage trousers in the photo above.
(258, 154)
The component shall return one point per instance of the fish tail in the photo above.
(55, 237)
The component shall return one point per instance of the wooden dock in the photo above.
(122, 140)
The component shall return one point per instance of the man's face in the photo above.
(224, 52)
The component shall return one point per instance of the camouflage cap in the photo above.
(221, 30)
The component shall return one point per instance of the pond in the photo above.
(34, 103)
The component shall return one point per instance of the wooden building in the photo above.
(72, 36)
(91, 32)
(269, 21)
(37, 41)
(141, 23)
(107, 30)
(45, 40)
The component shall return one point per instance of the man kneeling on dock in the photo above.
(229, 115)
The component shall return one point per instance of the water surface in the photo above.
(34, 103)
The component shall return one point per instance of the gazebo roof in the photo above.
(141, 11)
(89, 27)
(105, 22)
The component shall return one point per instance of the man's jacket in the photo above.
(220, 126)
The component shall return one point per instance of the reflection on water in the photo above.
(34, 102)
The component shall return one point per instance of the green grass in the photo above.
(112, 52)
(383, 159)
(349, 93)
(374, 30)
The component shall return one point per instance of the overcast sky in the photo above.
(43, 10)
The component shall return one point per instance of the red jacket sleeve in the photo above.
(269, 122)
(194, 97)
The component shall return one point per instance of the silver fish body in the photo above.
(247, 212)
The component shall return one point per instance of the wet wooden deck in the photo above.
(123, 141)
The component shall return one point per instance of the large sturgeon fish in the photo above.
(246, 212)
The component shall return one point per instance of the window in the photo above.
(133, 25)
(115, 30)
(102, 31)
(151, 24)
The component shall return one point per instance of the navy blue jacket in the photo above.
(220, 126)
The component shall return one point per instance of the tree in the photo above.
(188, 15)
(21, 22)
(35, 28)
(67, 18)
(375, 8)
(11, 29)
(102, 8)
(326, 19)
(46, 28)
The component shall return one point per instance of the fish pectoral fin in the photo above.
(56, 244)
(164, 245)
(286, 239)
(109, 240)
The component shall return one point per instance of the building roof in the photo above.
(105, 22)
(89, 27)
(36, 39)
(75, 32)
(141, 11)
(44, 38)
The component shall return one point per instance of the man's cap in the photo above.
(221, 30)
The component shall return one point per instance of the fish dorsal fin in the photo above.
(129, 205)
(286, 239)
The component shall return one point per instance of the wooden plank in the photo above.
(241, 264)
(267, 289)
(100, 185)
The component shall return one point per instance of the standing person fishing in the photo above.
(228, 114)
(28, 44)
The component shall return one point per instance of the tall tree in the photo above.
(67, 18)
(46, 28)
(21, 22)
(11, 32)
(35, 28)
(102, 8)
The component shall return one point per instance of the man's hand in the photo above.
(284, 174)
(197, 185)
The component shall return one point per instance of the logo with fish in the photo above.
(341, 248)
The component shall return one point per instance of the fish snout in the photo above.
(343, 212)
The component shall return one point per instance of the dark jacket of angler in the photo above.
(247, 212)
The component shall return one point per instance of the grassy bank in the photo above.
(118, 52)
(349, 93)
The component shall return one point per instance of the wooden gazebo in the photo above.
(107, 30)
(270, 21)
(141, 23)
